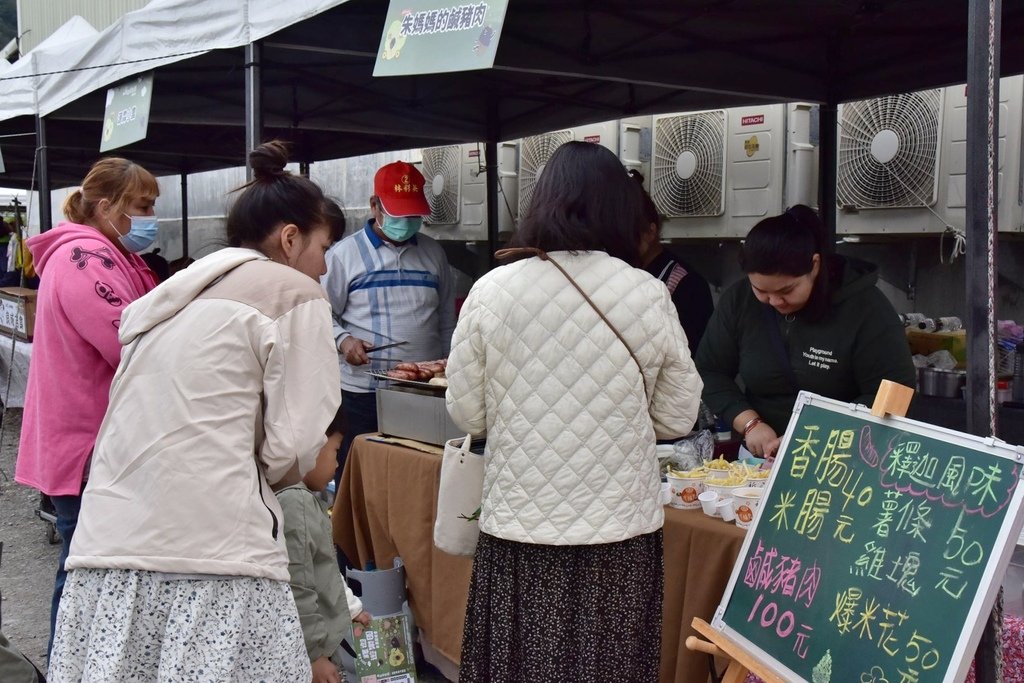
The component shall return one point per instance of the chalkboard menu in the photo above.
(878, 549)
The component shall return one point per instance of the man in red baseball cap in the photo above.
(387, 284)
(398, 204)
(399, 185)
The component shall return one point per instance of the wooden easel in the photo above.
(891, 399)
(720, 645)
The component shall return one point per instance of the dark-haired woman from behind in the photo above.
(178, 569)
(568, 574)
(802, 319)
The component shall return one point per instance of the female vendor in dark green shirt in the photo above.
(803, 319)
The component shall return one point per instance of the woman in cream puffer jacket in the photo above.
(570, 521)
(228, 376)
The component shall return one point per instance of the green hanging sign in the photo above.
(438, 36)
(126, 117)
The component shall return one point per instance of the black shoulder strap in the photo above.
(780, 348)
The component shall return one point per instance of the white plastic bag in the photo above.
(457, 526)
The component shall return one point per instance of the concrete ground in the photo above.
(28, 561)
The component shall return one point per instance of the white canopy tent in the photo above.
(20, 82)
(77, 60)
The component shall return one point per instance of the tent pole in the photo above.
(43, 179)
(982, 151)
(491, 153)
(491, 165)
(253, 103)
(184, 215)
(827, 125)
(982, 166)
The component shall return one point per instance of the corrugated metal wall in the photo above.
(349, 181)
(40, 18)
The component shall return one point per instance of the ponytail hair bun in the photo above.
(72, 208)
(268, 161)
(274, 197)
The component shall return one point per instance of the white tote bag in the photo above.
(457, 526)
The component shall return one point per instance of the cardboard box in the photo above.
(18, 311)
(925, 343)
(418, 414)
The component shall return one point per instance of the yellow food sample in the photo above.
(697, 473)
(719, 464)
(731, 480)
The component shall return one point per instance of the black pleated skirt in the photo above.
(564, 613)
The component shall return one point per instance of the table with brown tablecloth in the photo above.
(385, 508)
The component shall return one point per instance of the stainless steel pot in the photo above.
(945, 383)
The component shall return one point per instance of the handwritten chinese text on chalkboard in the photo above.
(873, 548)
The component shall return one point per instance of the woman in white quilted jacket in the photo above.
(568, 574)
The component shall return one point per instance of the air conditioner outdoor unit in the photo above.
(714, 174)
(628, 138)
(456, 188)
(902, 162)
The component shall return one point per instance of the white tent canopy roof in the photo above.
(77, 60)
(75, 28)
(558, 64)
(19, 85)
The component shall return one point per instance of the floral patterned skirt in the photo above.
(126, 625)
(564, 613)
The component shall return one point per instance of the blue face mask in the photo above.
(401, 229)
(140, 235)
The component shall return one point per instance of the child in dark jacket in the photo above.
(325, 603)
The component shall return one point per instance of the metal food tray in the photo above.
(409, 382)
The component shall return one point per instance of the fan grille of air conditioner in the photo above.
(889, 151)
(533, 155)
(688, 165)
(442, 183)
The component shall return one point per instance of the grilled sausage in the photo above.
(407, 375)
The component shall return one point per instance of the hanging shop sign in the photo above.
(126, 117)
(438, 36)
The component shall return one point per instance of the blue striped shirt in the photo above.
(382, 293)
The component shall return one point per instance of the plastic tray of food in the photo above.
(408, 382)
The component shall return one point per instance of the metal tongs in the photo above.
(385, 346)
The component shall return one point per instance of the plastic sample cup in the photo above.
(666, 493)
(723, 508)
(708, 499)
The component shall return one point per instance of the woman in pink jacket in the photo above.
(89, 271)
